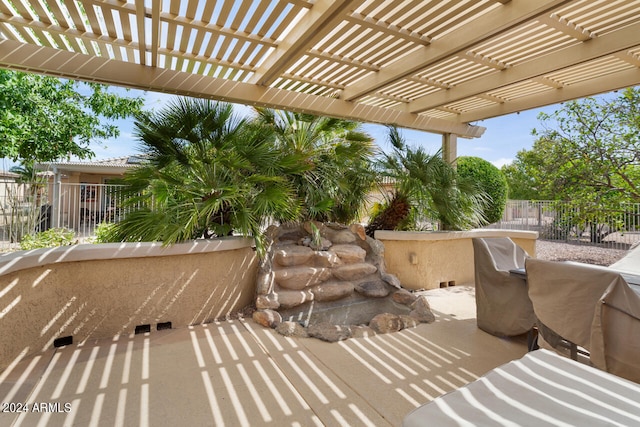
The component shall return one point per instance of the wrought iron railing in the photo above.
(560, 221)
(80, 207)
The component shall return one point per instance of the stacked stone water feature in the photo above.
(329, 281)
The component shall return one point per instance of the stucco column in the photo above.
(450, 148)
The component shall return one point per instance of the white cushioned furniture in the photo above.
(542, 388)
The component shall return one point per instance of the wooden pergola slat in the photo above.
(433, 65)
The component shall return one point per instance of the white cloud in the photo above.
(501, 162)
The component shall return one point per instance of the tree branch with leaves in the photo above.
(43, 119)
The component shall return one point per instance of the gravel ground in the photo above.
(556, 251)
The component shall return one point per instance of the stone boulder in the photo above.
(328, 332)
(358, 230)
(408, 321)
(292, 329)
(267, 318)
(403, 296)
(373, 289)
(326, 259)
(391, 280)
(293, 255)
(265, 282)
(349, 254)
(332, 290)
(269, 301)
(341, 237)
(298, 278)
(288, 299)
(353, 271)
(421, 310)
(386, 322)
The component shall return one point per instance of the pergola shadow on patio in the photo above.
(239, 373)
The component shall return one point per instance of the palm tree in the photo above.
(336, 155)
(425, 186)
(208, 173)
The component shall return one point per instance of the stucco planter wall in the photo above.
(100, 291)
(428, 260)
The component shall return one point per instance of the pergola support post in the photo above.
(450, 148)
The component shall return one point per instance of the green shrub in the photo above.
(50, 238)
(490, 179)
(104, 233)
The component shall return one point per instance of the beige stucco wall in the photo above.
(100, 291)
(424, 260)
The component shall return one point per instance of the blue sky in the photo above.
(503, 138)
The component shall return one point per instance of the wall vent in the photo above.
(163, 325)
(61, 342)
(143, 329)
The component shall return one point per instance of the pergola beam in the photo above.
(606, 83)
(321, 19)
(507, 16)
(77, 66)
(618, 41)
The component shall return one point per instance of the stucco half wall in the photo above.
(428, 260)
(100, 291)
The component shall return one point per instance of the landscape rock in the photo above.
(359, 231)
(373, 289)
(421, 300)
(386, 322)
(391, 280)
(341, 237)
(332, 291)
(292, 329)
(293, 255)
(265, 282)
(408, 321)
(326, 259)
(377, 247)
(270, 302)
(298, 278)
(288, 299)
(328, 332)
(353, 271)
(319, 245)
(349, 254)
(403, 296)
(267, 318)
(290, 237)
(421, 310)
(332, 275)
(362, 331)
(308, 226)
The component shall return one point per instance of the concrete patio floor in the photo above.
(237, 373)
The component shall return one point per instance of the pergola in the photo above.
(435, 65)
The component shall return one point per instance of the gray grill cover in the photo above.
(591, 306)
(502, 303)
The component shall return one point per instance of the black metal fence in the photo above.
(560, 221)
